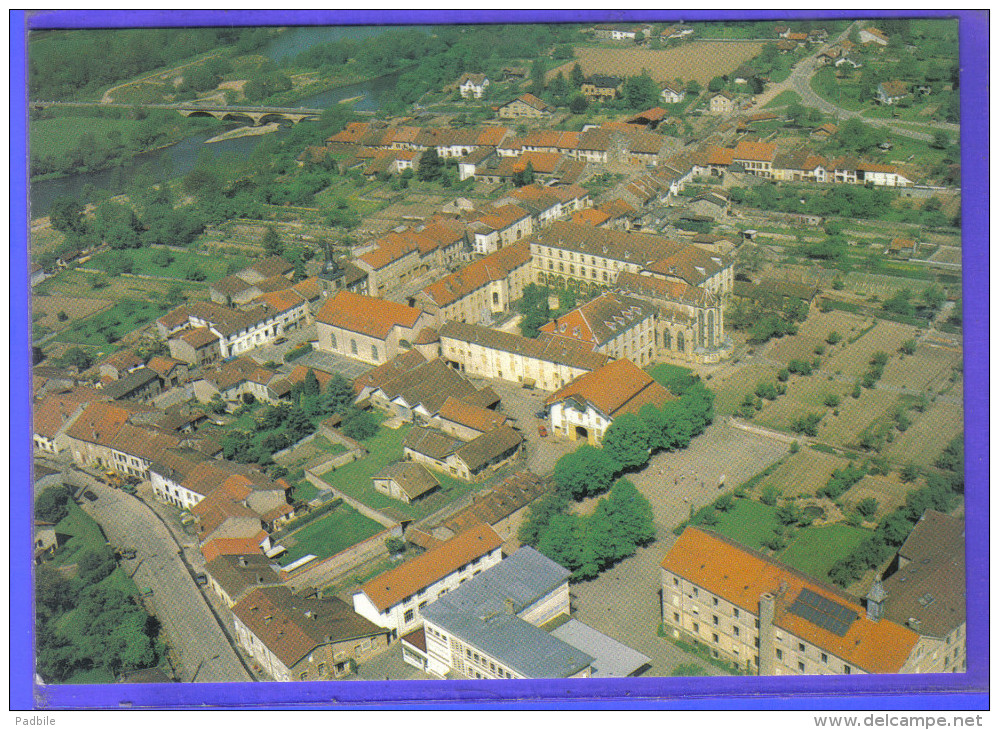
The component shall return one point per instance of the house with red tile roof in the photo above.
(586, 407)
(368, 329)
(614, 324)
(465, 420)
(299, 639)
(393, 599)
(232, 379)
(770, 619)
(498, 225)
(756, 157)
(51, 417)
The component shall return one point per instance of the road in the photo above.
(800, 81)
(190, 627)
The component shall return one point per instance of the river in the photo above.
(179, 159)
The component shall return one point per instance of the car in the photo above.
(542, 431)
(541, 414)
(127, 553)
(280, 340)
(90, 496)
(201, 579)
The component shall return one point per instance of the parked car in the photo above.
(90, 496)
(280, 340)
(127, 553)
(542, 431)
(201, 579)
(541, 414)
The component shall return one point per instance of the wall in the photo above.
(317, 573)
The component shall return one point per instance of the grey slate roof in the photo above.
(611, 658)
(482, 613)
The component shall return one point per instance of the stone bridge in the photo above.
(256, 115)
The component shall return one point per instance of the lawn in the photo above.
(328, 535)
(85, 534)
(815, 550)
(784, 98)
(384, 448)
(748, 522)
(730, 391)
(842, 94)
(112, 324)
(667, 375)
(213, 267)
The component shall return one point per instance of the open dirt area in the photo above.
(74, 307)
(888, 491)
(699, 61)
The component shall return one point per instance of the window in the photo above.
(676, 581)
(353, 347)
(756, 623)
(714, 620)
(846, 669)
(676, 618)
(735, 630)
(422, 604)
(408, 616)
(695, 592)
(780, 654)
(825, 658)
(735, 612)
(756, 642)
(714, 601)
(696, 628)
(714, 638)
(801, 647)
(801, 666)
(303, 676)
(374, 353)
(468, 653)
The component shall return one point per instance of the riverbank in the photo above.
(245, 132)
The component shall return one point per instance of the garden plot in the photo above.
(73, 283)
(816, 549)
(804, 473)
(923, 441)
(45, 310)
(302, 455)
(883, 286)
(885, 337)
(928, 369)
(730, 391)
(804, 395)
(856, 414)
(888, 491)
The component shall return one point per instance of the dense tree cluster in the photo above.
(587, 545)
(767, 318)
(52, 504)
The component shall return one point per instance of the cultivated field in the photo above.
(856, 414)
(816, 549)
(923, 441)
(888, 491)
(805, 472)
(699, 61)
(45, 310)
(883, 286)
(804, 395)
(72, 283)
(730, 391)
(855, 360)
(928, 369)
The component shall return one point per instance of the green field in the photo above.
(213, 267)
(61, 135)
(85, 534)
(784, 98)
(327, 536)
(748, 522)
(816, 549)
(384, 448)
(112, 324)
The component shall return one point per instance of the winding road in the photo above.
(800, 82)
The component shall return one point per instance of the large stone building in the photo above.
(482, 352)
(613, 324)
(482, 289)
(770, 619)
(368, 329)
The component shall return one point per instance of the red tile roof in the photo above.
(755, 151)
(741, 575)
(390, 588)
(616, 388)
(366, 315)
(474, 417)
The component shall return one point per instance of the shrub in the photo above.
(867, 507)
(833, 337)
(800, 367)
(795, 447)
(769, 495)
(766, 390)
(910, 473)
(841, 480)
(908, 347)
(820, 349)
(807, 424)
(52, 504)
(831, 400)
(724, 503)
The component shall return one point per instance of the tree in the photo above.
(640, 92)
(525, 176)
(271, 242)
(559, 89)
(724, 503)
(538, 69)
(66, 215)
(95, 565)
(540, 515)
(576, 77)
(339, 394)
(584, 472)
(578, 104)
(627, 442)
(716, 84)
(310, 386)
(431, 165)
(867, 507)
(52, 504)
(693, 88)
(359, 425)
(77, 358)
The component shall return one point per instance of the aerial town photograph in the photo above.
(499, 351)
